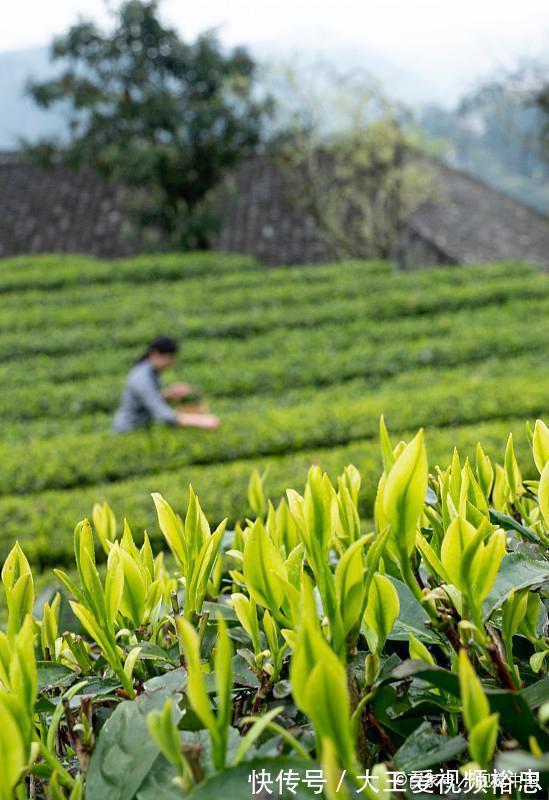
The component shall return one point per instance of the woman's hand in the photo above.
(177, 391)
(188, 419)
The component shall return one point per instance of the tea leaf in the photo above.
(125, 753)
(327, 704)
(543, 493)
(482, 740)
(404, 492)
(475, 705)
(540, 444)
(424, 748)
(170, 526)
(264, 570)
(381, 611)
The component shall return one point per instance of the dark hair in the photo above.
(162, 344)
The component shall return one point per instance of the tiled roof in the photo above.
(261, 218)
(64, 211)
(471, 222)
(58, 210)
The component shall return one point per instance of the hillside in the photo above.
(299, 362)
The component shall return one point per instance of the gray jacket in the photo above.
(142, 402)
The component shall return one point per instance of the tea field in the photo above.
(298, 362)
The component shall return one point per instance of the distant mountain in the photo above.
(494, 134)
(19, 116)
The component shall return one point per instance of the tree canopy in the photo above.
(161, 117)
(351, 157)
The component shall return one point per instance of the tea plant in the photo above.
(304, 638)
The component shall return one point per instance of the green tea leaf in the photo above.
(540, 444)
(509, 524)
(512, 469)
(482, 740)
(327, 704)
(50, 674)
(12, 749)
(256, 493)
(516, 572)
(475, 705)
(350, 585)
(170, 526)
(134, 590)
(536, 693)
(404, 492)
(196, 687)
(543, 493)
(159, 783)
(381, 611)
(484, 470)
(125, 753)
(264, 570)
(418, 651)
(424, 748)
(412, 617)
(387, 455)
(223, 675)
(104, 523)
(310, 646)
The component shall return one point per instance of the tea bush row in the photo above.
(299, 366)
(303, 643)
(60, 271)
(269, 287)
(330, 416)
(386, 304)
(29, 430)
(217, 292)
(43, 521)
(227, 273)
(101, 360)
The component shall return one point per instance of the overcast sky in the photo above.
(447, 43)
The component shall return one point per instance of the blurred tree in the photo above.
(160, 117)
(350, 154)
